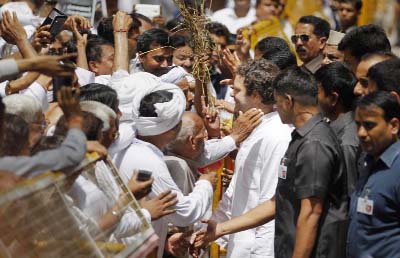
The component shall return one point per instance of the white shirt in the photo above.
(228, 17)
(189, 209)
(254, 181)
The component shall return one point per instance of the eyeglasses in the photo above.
(161, 59)
(302, 37)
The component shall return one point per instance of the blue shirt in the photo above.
(377, 235)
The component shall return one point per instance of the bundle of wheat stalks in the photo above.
(195, 20)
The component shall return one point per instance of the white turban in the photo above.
(174, 75)
(131, 90)
(24, 13)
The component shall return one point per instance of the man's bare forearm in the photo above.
(307, 227)
(263, 213)
(121, 61)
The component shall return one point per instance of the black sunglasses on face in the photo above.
(160, 59)
(302, 37)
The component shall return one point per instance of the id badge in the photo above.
(282, 169)
(365, 205)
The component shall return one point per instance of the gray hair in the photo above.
(100, 110)
(24, 106)
(187, 129)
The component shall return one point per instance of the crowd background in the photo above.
(148, 160)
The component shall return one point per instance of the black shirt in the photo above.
(346, 130)
(314, 169)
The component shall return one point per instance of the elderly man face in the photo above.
(191, 138)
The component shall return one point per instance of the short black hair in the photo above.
(105, 28)
(270, 44)
(180, 41)
(218, 29)
(281, 58)
(100, 93)
(386, 75)
(357, 3)
(299, 83)
(15, 135)
(337, 77)
(383, 100)
(321, 27)
(94, 50)
(365, 39)
(147, 108)
(258, 76)
(153, 36)
(47, 143)
(384, 55)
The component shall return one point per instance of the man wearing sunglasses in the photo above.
(311, 34)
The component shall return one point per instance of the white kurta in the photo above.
(189, 209)
(254, 181)
(228, 17)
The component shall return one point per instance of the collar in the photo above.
(343, 120)
(390, 154)
(315, 64)
(154, 148)
(309, 125)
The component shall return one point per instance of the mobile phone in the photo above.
(56, 19)
(148, 10)
(144, 175)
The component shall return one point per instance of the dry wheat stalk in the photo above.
(195, 20)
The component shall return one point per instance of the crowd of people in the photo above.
(314, 137)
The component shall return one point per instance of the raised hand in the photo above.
(161, 205)
(242, 46)
(11, 29)
(227, 175)
(211, 119)
(245, 124)
(138, 188)
(69, 103)
(95, 146)
(231, 60)
(82, 23)
(122, 22)
(42, 38)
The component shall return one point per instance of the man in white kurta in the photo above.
(257, 162)
(142, 154)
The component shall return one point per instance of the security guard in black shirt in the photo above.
(311, 196)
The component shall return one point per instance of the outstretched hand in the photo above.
(11, 29)
(211, 119)
(245, 124)
(204, 236)
(48, 65)
(161, 205)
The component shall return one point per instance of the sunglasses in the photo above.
(161, 59)
(302, 37)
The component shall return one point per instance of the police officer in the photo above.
(374, 229)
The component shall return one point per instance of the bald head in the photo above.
(190, 140)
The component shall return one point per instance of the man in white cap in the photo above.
(155, 110)
(331, 53)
